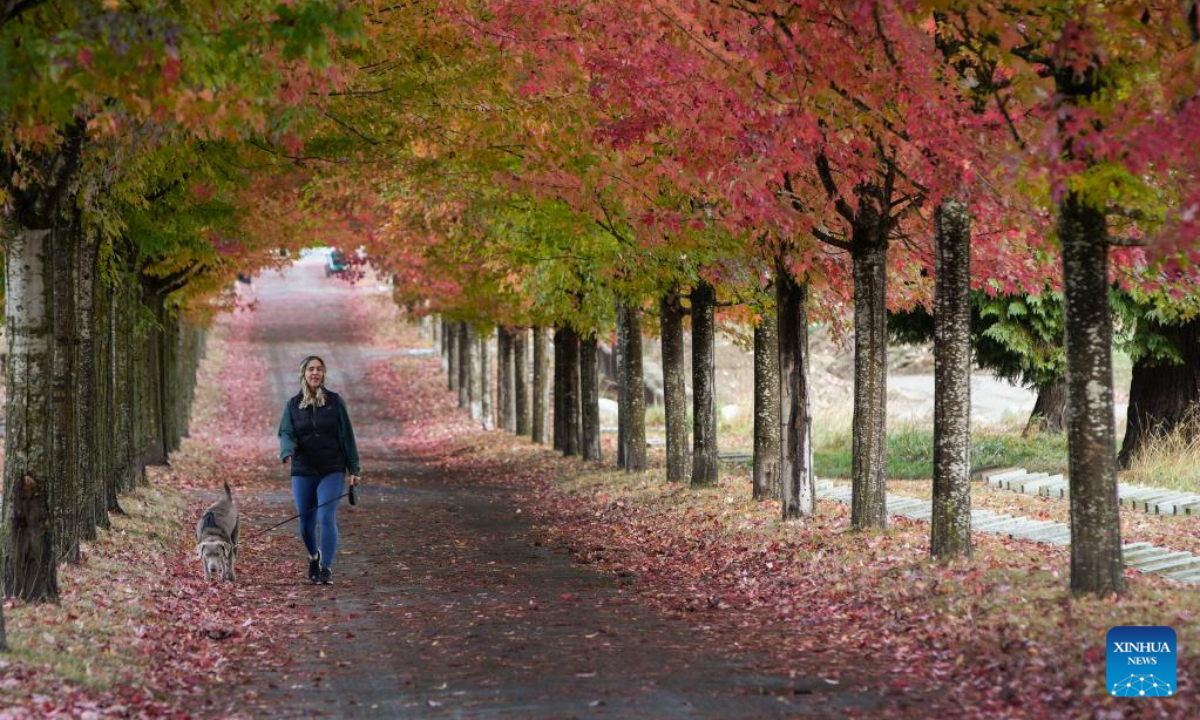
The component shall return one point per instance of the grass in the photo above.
(1171, 461)
(86, 638)
(910, 451)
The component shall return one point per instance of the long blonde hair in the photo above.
(307, 395)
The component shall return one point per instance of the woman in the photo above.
(315, 434)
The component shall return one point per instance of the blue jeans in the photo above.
(310, 492)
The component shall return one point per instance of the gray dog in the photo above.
(217, 535)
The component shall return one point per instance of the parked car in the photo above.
(335, 263)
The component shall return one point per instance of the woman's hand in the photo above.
(353, 479)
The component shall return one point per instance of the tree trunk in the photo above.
(704, 390)
(798, 480)
(508, 406)
(541, 385)
(106, 416)
(674, 388)
(86, 388)
(1049, 410)
(766, 479)
(589, 389)
(63, 491)
(474, 372)
(560, 374)
(445, 345)
(1097, 567)
(1164, 396)
(465, 351)
(128, 451)
(869, 444)
(573, 423)
(623, 411)
(150, 375)
(951, 531)
(635, 425)
(1096, 562)
(485, 383)
(521, 380)
(42, 219)
(30, 564)
(452, 358)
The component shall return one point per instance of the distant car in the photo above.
(335, 263)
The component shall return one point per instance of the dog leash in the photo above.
(349, 493)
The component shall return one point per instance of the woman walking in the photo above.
(315, 434)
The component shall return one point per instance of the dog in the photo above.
(217, 538)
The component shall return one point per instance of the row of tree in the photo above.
(719, 160)
(129, 143)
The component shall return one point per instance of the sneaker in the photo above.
(314, 568)
(326, 576)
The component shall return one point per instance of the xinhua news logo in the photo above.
(1140, 661)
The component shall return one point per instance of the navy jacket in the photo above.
(319, 439)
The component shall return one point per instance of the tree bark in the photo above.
(452, 359)
(869, 444)
(508, 408)
(30, 565)
(1164, 396)
(704, 390)
(1096, 562)
(63, 491)
(86, 388)
(623, 411)
(798, 480)
(485, 383)
(635, 426)
(574, 420)
(1097, 567)
(521, 380)
(445, 345)
(128, 451)
(464, 365)
(571, 425)
(951, 531)
(474, 370)
(541, 385)
(106, 416)
(767, 482)
(589, 389)
(560, 389)
(1049, 410)
(674, 387)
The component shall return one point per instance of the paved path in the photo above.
(445, 605)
